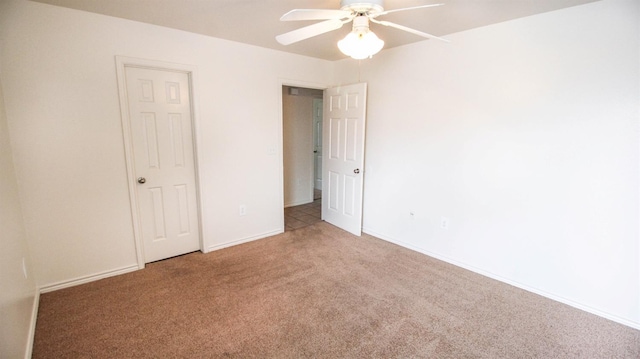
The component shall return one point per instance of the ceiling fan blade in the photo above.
(309, 31)
(408, 29)
(315, 14)
(403, 9)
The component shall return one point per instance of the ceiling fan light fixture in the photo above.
(360, 43)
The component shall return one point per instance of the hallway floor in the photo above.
(302, 215)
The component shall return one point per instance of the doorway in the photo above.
(302, 155)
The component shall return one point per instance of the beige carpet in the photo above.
(316, 292)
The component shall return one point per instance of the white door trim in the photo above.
(317, 102)
(121, 63)
(280, 145)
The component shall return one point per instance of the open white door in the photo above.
(343, 156)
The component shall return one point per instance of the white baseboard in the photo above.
(586, 308)
(244, 240)
(298, 203)
(32, 325)
(89, 278)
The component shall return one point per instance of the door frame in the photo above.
(121, 63)
(292, 83)
(315, 167)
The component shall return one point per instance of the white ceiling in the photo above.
(256, 22)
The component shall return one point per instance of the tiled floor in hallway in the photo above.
(303, 215)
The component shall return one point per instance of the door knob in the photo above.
(142, 180)
(356, 171)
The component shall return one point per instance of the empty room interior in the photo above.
(502, 163)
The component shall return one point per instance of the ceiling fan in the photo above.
(361, 42)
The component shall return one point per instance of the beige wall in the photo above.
(64, 120)
(18, 296)
(524, 135)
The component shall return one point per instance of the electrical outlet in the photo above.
(444, 222)
(243, 210)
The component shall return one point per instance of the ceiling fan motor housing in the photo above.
(360, 24)
(359, 6)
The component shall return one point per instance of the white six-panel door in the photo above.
(161, 135)
(343, 156)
